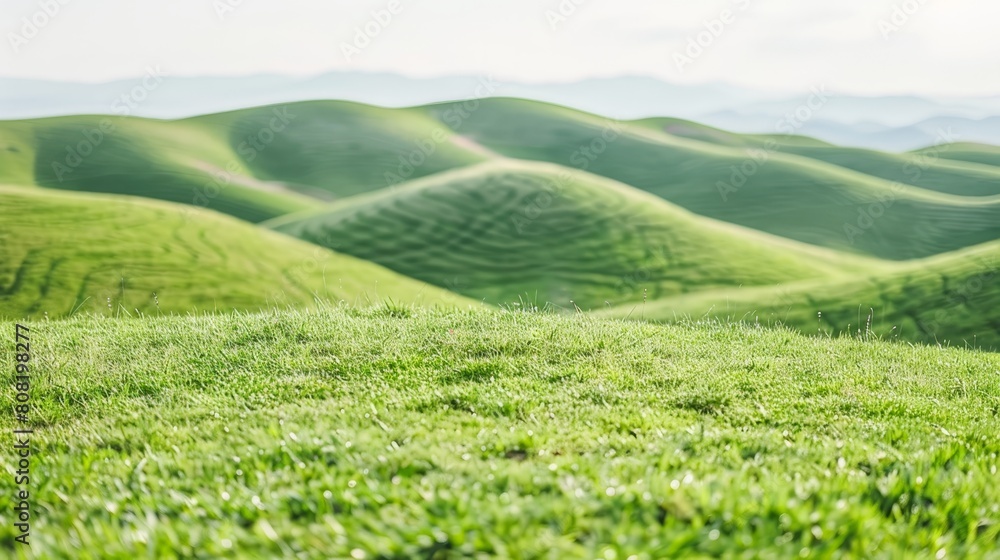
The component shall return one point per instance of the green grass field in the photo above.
(498, 329)
(515, 232)
(254, 164)
(335, 149)
(153, 159)
(519, 202)
(935, 168)
(262, 163)
(395, 433)
(775, 191)
(63, 253)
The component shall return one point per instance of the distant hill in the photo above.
(932, 131)
(967, 152)
(948, 300)
(781, 193)
(515, 231)
(262, 163)
(335, 149)
(932, 168)
(501, 200)
(887, 123)
(938, 129)
(892, 111)
(172, 161)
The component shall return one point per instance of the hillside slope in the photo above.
(704, 133)
(931, 168)
(971, 152)
(153, 159)
(255, 163)
(265, 162)
(784, 194)
(62, 253)
(347, 434)
(949, 299)
(514, 231)
(335, 149)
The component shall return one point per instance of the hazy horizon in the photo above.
(610, 77)
(866, 48)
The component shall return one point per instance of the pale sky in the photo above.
(931, 47)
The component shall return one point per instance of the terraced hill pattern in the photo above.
(496, 201)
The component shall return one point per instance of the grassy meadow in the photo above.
(497, 328)
(408, 433)
(511, 232)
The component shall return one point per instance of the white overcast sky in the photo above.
(944, 46)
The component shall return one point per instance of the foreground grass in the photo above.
(398, 434)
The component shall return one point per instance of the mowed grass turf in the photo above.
(512, 232)
(948, 300)
(62, 253)
(387, 433)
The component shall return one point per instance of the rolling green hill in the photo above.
(154, 159)
(697, 131)
(970, 152)
(930, 169)
(62, 253)
(358, 434)
(254, 164)
(265, 162)
(509, 231)
(473, 197)
(291, 380)
(949, 299)
(784, 194)
(335, 149)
